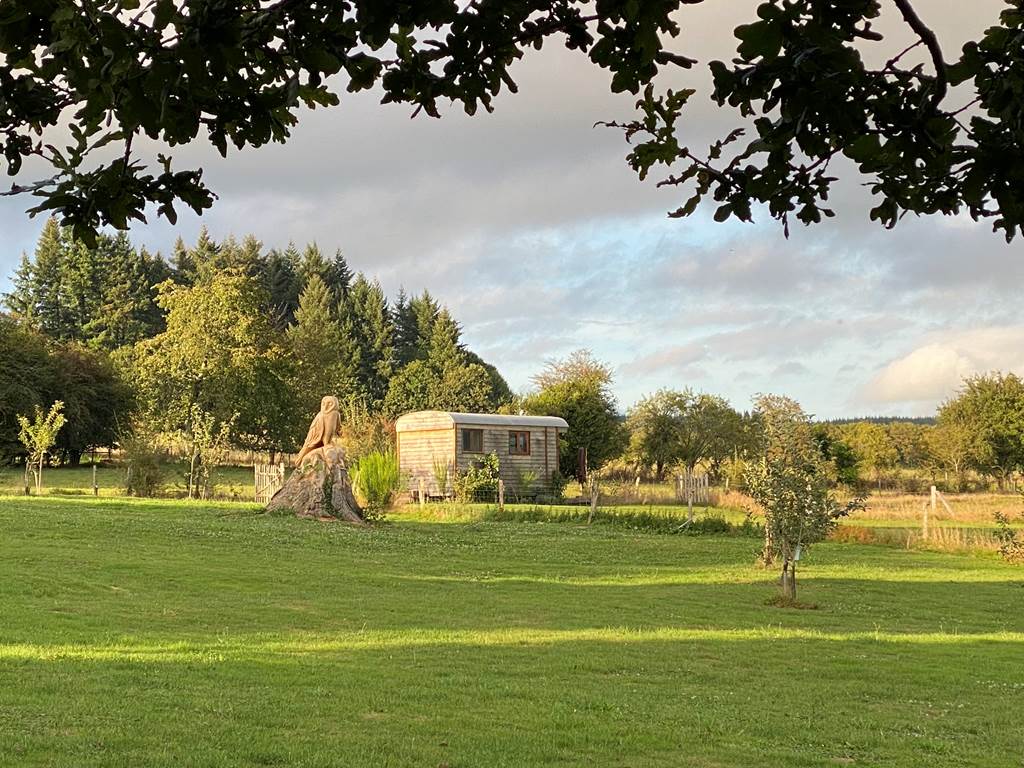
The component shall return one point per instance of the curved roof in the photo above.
(410, 421)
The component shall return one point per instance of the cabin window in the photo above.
(519, 443)
(472, 441)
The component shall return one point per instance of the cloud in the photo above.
(530, 226)
(668, 360)
(935, 370)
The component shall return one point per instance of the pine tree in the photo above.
(445, 348)
(206, 255)
(425, 311)
(339, 276)
(47, 274)
(22, 300)
(282, 284)
(373, 329)
(406, 331)
(183, 266)
(322, 353)
(126, 311)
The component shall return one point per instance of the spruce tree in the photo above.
(22, 300)
(373, 329)
(321, 353)
(47, 276)
(425, 310)
(282, 284)
(339, 276)
(126, 311)
(406, 331)
(183, 266)
(206, 255)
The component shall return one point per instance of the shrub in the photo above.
(364, 432)
(478, 483)
(376, 480)
(144, 458)
(527, 481)
(1011, 546)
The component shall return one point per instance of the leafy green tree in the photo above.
(834, 449)
(578, 389)
(791, 482)
(39, 435)
(683, 427)
(219, 357)
(992, 407)
(875, 451)
(934, 137)
(25, 379)
(950, 444)
(96, 400)
(909, 440)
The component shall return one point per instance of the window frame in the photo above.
(468, 432)
(513, 440)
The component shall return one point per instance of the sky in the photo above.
(529, 225)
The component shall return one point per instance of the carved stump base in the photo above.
(319, 489)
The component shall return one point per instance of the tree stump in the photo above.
(320, 489)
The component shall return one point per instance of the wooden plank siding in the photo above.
(428, 436)
(417, 452)
(542, 458)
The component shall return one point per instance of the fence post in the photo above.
(501, 495)
(689, 495)
(924, 522)
(95, 488)
(594, 492)
(423, 493)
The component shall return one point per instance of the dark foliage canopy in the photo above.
(235, 72)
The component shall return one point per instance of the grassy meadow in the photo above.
(163, 633)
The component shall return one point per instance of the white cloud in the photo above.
(935, 370)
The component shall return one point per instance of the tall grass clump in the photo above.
(442, 471)
(376, 481)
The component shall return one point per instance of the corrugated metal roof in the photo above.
(488, 419)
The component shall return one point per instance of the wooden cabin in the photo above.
(521, 443)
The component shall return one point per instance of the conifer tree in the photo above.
(47, 273)
(323, 355)
(406, 331)
(282, 284)
(22, 300)
(183, 266)
(371, 324)
(205, 256)
(339, 276)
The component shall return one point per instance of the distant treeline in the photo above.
(227, 332)
(883, 420)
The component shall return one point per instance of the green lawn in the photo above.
(140, 633)
(229, 482)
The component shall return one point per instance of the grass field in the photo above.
(160, 633)
(229, 482)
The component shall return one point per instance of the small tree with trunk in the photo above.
(792, 482)
(39, 436)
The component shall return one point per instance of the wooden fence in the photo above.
(693, 488)
(269, 480)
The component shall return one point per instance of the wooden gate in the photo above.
(693, 488)
(269, 479)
